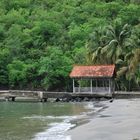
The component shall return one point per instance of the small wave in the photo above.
(50, 117)
(90, 105)
(92, 109)
(93, 106)
(98, 109)
(55, 132)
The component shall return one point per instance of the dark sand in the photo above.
(120, 121)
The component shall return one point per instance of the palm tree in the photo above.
(117, 37)
(134, 47)
(94, 46)
(135, 65)
(117, 44)
(107, 45)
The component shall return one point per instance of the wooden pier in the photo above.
(43, 96)
(11, 95)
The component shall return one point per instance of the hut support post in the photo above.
(110, 85)
(91, 85)
(96, 85)
(79, 87)
(73, 86)
(113, 86)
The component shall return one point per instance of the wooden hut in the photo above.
(93, 79)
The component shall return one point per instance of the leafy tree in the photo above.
(55, 67)
(130, 14)
(17, 74)
(4, 61)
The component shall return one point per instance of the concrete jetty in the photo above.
(12, 95)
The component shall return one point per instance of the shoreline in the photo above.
(119, 121)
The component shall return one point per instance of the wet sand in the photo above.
(120, 121)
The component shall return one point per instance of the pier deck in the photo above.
(12, 95)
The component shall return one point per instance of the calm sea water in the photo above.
(39, 121)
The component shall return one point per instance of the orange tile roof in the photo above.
(92, 71)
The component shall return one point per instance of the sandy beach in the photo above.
(119, 121)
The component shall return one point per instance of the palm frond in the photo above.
(113, 42)
(122, 71)
(119, 62)
(128, 56)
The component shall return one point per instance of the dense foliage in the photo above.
(40, 40)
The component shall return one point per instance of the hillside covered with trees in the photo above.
(40, 41)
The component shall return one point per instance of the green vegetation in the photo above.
(40, 40)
